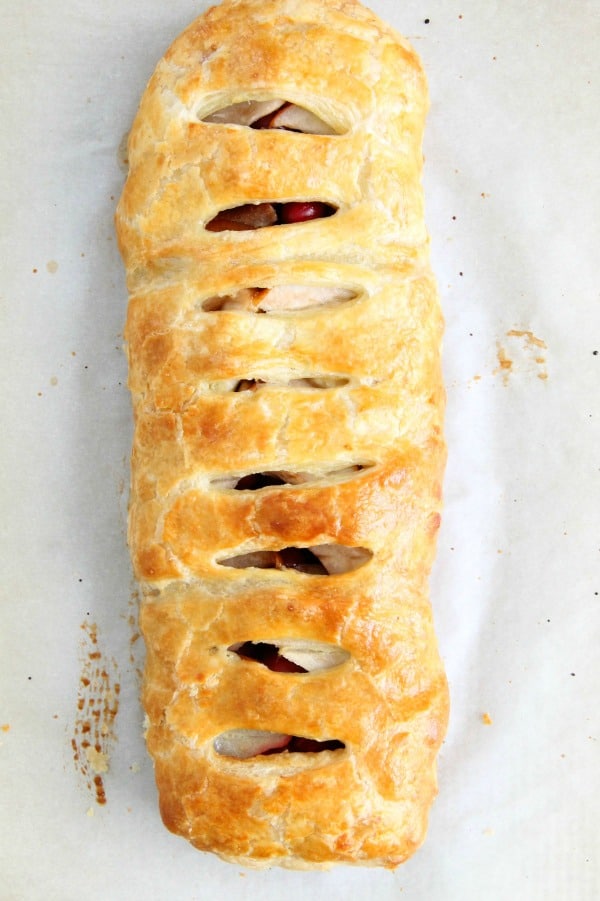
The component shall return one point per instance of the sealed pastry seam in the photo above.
(283, 339)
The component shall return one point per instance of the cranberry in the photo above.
(269, 656)
(257, 480)
(302, 211)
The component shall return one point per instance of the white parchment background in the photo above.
(513, 196)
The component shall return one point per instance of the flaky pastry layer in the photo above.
(287, 464)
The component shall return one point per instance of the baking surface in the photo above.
(512, 197)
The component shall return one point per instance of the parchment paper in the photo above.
(513, 195)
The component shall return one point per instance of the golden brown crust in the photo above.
(365, 449)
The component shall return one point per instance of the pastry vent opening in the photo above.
(314, 383)
(251, 216)
(242, 744)
(256, 481)
(280, 299)
(252, 384)
(292, 655)
(272, 113)
(317, 560)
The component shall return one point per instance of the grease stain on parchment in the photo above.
(521, 351)
(97, 708)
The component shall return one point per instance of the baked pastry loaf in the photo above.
(284, 347)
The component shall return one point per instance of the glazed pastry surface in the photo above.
(283, 336)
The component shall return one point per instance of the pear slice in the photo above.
(245, 113)
(338, 558)
(296, 118)
(301, 297)
(244, 743)
(280, 298)
(312, 655)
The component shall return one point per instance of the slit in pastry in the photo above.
(255, 481)
(241, 744)
(292, 655)
(315, 382)
(251, 216)
(317, 560)
(252, 384)
(261, 114)
(279, 299)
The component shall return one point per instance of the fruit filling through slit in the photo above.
(300, 559)
(298, 744)
(281, 298)
(249, 385)
(317, 382)
(292, 655)
(242, 744)
(261, 114)
(291, 117)
(269, 655)
(318, 560)
(259, 215)
(255, 481)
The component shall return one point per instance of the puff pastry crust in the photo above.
(316, 423)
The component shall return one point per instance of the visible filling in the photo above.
(292, 655)
(258, 480)
(318, 560)
(317, 382)
(249, 385)
(271, 114)
(255, 481)
(269, 655)
(242, 744)
(259, 215)
(300, 559)
(278, 299)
